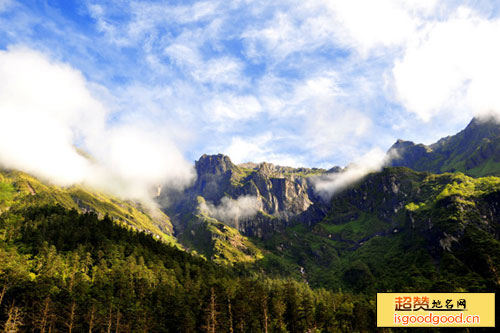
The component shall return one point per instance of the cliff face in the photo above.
(252, 200)
(282, 193)
(214, 173)
(399, 225)
(273, 196)
(428, 221)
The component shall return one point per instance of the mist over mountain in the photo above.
(47, 108)
(232, 166)
(383, 227)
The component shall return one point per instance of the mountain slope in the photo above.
(474, 151)
(64, 271)
(399, 230)
(19, 190)
(394, 230)
(273, 198)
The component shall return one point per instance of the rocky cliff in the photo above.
(253, 199)
(281, 193)
(397, 227)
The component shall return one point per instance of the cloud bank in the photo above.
(47, 109)
(324, 80)
(328, 185)
(451, 68)
(232, 211)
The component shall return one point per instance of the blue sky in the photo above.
(313, 83)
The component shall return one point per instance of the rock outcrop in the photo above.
(282, 193)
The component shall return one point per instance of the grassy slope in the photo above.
(474, 151)
(218, 241)
(18, 190)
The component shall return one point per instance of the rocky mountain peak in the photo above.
(402, 144)
(409, 153)
(474, 151)
(266, 169)
(213, 164)
(480, 128)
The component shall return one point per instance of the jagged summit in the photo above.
(218, 164)
(214, 164)
(280, 171)
(475, 151)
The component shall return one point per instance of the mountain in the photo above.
(281, 192)
(247, 246)
(19, 190)
(392, 227)
(275, 196)
(394, 213)
(398, 230)
(474, 151)
(65, 271)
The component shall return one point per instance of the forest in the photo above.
(63, 271)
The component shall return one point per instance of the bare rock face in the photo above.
(283, 193)
(214, 173)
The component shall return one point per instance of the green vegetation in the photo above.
(73, 257)
(240, 175)
(6, 194)
(363, 227)
(218, 241)
(304, 173)
(65, 271)
(398, 230)
(19, 190)
(474, 151)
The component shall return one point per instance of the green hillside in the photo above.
(20, 190)
(474, 151)
(398, 230)
(62, 271)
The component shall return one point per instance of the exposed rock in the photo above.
(447, 241)
(283, 193)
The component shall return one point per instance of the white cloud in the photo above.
(234, 108)
(452, 67)
(280, 38)
(317, 74)
(367, 24)
(326, 125)
(221, 71)
(330, 184)
(259, 149)
(46, 108)
(232, 211)
(361, 25)
(336, 130)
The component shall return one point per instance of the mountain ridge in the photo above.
(474, 151)
(291, 231)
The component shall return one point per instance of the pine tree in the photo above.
(14, 320)
(44, 319)
(71, 317)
